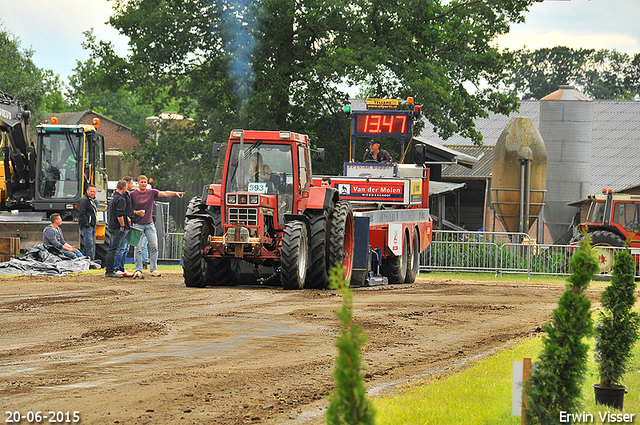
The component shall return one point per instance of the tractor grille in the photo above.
(248, 216)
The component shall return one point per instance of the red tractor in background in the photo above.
(266, 209)
(612, 219)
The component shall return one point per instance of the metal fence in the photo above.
(486, 252)
(499, 253)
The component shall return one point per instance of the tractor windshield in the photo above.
(59, 171)
(596, 212)
(262, 168)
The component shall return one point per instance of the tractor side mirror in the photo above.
(319, 155)
(216, 150)
(420, 154)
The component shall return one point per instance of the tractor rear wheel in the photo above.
(602, 242)
(342, 239)
(194, 265)
(395, 268)
(295, 255)
(317, 275)
(413, 262)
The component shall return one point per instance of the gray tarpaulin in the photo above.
(40, 261)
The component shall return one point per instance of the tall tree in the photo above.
(281, 63)
(601, 74)
(20, 77)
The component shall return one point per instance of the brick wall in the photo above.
(116, 135)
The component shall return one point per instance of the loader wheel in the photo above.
(395, 268)
(295, 255)
(413, 262)
(317, 275)
(342, 239)
(602, 241)
(194, 265)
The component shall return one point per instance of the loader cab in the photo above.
(70, 157)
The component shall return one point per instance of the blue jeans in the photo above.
(118, 263)
(144, 248)
(117, 236)
(72, 255)
(149, 230)
(89, 241)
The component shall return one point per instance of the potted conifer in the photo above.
(617, 330)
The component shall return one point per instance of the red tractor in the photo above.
(611, 220)
(263, 210)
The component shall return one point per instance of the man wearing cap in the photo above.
(375, 154)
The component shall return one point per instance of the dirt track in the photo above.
(153, 351)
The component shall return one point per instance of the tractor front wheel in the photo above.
(194, 265)
(295, 255)
(342, 239)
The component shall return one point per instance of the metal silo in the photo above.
(566, 124)
(519, 174)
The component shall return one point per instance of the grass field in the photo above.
(481, 394)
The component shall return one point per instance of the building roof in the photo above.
(615, 157)
(74, 118)
(481, 170)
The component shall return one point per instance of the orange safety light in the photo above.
(151, 180)
(409, 101)
(96, 122)
(54, 120)
(604, 190)
(610, 190)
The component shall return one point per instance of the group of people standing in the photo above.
(127, 207)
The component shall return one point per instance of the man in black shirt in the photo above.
(118, 223)
(375, 154)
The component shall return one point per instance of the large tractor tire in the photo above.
(195, 206)
(317, 274)
(413, 262)
(194, 265)
(295, 255)
(395, 268)
(197, 271)
(602, 241)
(342, 239)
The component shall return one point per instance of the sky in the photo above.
(53, 28)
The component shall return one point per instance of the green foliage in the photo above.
(618, 327)
(20, 77)
(348, 403)
(601, 74)
(555, 383)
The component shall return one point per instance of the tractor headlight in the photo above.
(254, 199)
(232, 199)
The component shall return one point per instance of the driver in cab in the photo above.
(375, 154)
(258, 170)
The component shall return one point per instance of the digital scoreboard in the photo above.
(383, 124)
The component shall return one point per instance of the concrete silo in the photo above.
(566, 124)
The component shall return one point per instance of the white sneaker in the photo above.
(138, 275)
(156, 273)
